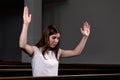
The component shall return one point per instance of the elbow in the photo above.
(21, 46)
(77, 53)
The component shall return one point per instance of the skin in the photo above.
(53, 39)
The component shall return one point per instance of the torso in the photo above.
(42, 66)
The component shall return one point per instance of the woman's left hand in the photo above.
(86, 29)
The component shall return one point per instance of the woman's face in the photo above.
(54, 39)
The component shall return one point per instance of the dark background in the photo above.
(10, 27)
(103, 45)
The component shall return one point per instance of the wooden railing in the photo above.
(77, 71)
(68, 77)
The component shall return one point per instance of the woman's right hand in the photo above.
(26, 16)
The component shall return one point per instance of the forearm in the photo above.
(23, 36)
(81, 45)
(78, 49)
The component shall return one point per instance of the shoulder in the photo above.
(59, 52)
(36, 49)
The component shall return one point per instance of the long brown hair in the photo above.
(44, 41)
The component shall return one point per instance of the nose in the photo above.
(56, 40)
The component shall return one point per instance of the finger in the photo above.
(30, 15)
(81, 29)
(25, 10)
(87, 25)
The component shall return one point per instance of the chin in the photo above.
(52, 47)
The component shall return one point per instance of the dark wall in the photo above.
(103, 45)
(10, 27)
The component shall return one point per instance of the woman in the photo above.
(45, 54)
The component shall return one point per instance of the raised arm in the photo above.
(23, 36)
(78, 49)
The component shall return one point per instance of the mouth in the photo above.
(53, 45)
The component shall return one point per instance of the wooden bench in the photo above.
(68, 77)
(12, 69)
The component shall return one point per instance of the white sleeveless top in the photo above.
(42, 66)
